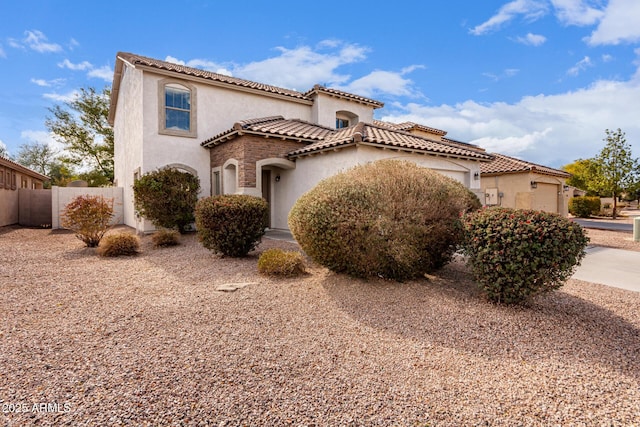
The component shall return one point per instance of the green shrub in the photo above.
(276, 262)
(119, 244)
(584, 206)
(516, 254)
(387, 219)
(164, 238)
(167, 197)
(231, 224)
(88, 217)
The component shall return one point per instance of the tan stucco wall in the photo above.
(518, 194)
(325, 108)
(10, 199)
(8, 207)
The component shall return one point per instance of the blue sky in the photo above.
(536, 79)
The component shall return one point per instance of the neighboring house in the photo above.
(515, 183)
(13, 177)
(243, 137)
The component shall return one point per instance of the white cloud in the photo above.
(302, 67)
(387, 82)
(509, 72)
(202, 64)
(620, 24)
(531, 10)
(82, 66)
(105, 73)
(607, 58)
(576, 12)
(40, 82)
(73, 43)
(548, 129)
(65, 97)
(581, 65)
(37, 41)
(532, 39)
(3, 54)
(42, 137)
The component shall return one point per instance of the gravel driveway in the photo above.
(147, 340)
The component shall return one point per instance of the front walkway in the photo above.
(611, 267)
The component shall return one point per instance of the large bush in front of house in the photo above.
(231, 224)
(390, 219)
(584, 207)
(88, 217)
(167, 197)
(517, 254)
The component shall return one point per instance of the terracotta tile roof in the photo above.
(272, 126)
(208, 75)
(322, 138)
(502, 164)
(341, 94)
(407, 126)
(22, 169)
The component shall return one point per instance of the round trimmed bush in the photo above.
(119, 244)
(276, 262)
(390, 219)
(584, 206)
(167, 197)
(231, 224)
(516, 254)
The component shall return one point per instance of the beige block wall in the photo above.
(8, 207)
(62, 196)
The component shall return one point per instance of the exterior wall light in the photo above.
(476, 176)
(277, 178)
(534, 184)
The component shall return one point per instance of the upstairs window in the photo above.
(344, 119)
(342, 123)
(178, 108)
(177, 104)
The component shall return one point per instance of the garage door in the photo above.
(545, 197)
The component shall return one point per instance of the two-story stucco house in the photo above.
(243, 137)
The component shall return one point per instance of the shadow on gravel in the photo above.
(449, 311)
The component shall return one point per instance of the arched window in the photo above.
(344, 119)
(177, 108)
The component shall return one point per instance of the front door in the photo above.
(266, 191)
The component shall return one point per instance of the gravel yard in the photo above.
(147, 340)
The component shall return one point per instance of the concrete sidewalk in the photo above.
(611, 267)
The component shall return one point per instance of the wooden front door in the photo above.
(266, 191)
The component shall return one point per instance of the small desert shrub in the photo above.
(163, 238)
(231, 224)
(390, 219)
(276, 262)
(119, 244)
(584, 207)
(516, 254)
(167, 197)
(88, 217)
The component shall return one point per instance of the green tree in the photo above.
(583, 175)
(616, 167)
(3, 151)
(38, 156)
(82, 126)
